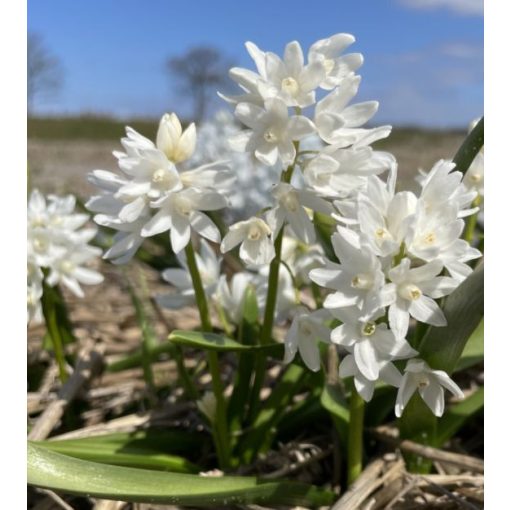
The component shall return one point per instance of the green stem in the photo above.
(50, 316)
(470, 229)
(220, 423)
(355, 449)
(272, 291)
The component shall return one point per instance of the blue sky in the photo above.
(423, 58)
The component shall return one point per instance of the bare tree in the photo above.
(44, 70)
(199, 73)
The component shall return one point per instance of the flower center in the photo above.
(158, 176)
(430, 238)
(423, 382)
(381, 234)
(270, 136)
(368, 329)
(305, 329)
(290, 85)
(409, 291)
(362, 281)
(67, 266)
(40, 244)
(254, 234)
(328, 64)
(290, 201)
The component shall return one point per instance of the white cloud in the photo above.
(468, 7)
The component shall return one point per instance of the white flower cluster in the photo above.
(398, 252)
(58, 244)
(271, 107)
(155, 194)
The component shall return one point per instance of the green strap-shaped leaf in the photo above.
(441, 347)
(469, 148)
(120, 454)
(215, 342)
(65, 474)
(473, 351)
(333, 400)
(457, 415)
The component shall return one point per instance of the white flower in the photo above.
(209, 269)
(432, 233)
(254, 235)
(126, 241)
(365, 387)
(182, 211)
(289, 79)
(413, 290)
(34, 291)
(152, 177)
(68, 269)
(176, 144)
(358, 280)
(302, 258)
(291, 203)
(305, 331)
(286, 296)
(327, 52)
(430, 385)
(442, 185)
(230, 295)
(272, 132)
(339, 124)
(384, 219)
(370, 343)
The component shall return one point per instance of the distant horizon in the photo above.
(184, 119)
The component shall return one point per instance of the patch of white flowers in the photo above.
(58, 248)
(307, 140)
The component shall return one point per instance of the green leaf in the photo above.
(66, 474)
(247, 334)
(469, 148)
(121, 454)
(473, 351)
(441, 347)
(333, 400)
(262, 431)
(220, 343)
(457, 415)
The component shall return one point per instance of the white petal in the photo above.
(399, 319)
(87, 276)
(300, 126)
(310, 354)
(426, 310)
(405, 392)
(180, 233)
(365, 358)
(433, 395)
(205, 226)
(233, 237)
(160, 222)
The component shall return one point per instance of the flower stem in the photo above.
(50, 316)
(355, 449)
(220, 433)
(470, 229)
